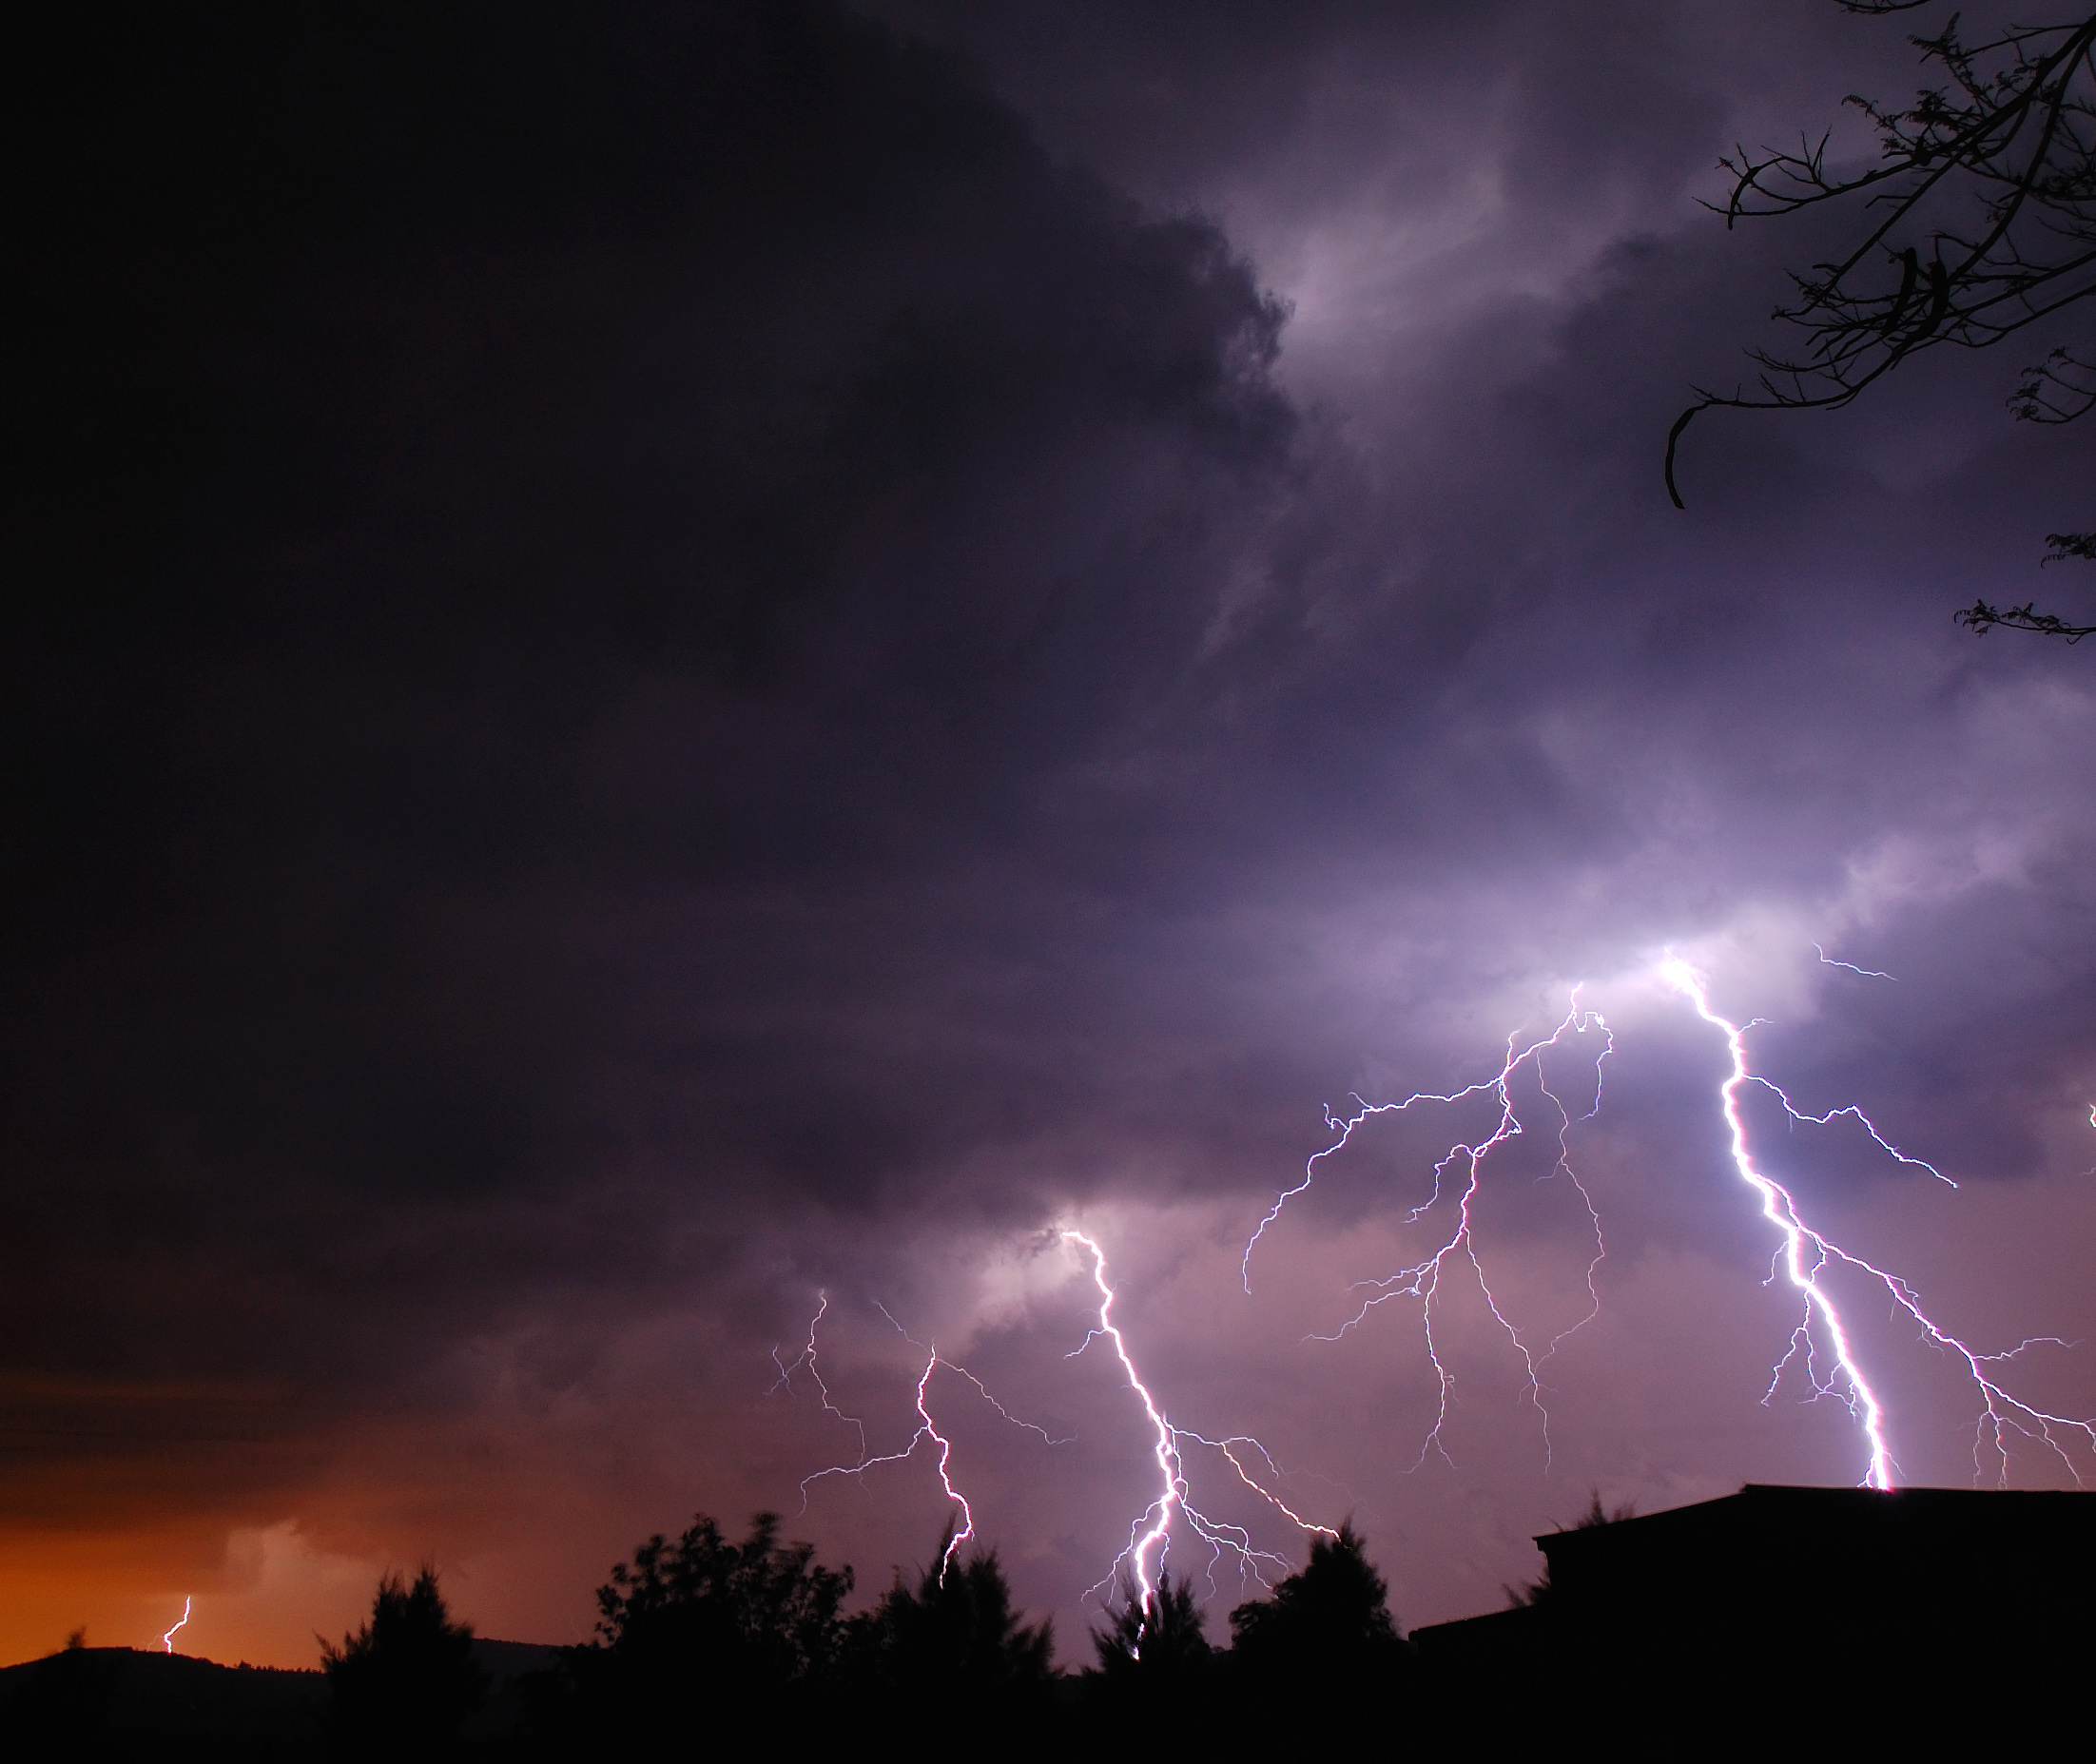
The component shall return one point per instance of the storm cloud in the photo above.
(669, 659)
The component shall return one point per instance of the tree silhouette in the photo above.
(1538, 1591)
(407, 1679)
(1155, 1638)
(1157, 1680)
(700, 1620)
(956, 1638)
(1977, 221)
(1322, 1656)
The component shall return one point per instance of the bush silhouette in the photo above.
(699, 1621)
(407, 1679)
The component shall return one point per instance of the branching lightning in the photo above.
(1422, 1281)
(927, 1428)
(168, 1642)
(1149, 1536)
(1807, 1257)
(806, 1358)
(1822, 1345)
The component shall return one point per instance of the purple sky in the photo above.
(676, 666)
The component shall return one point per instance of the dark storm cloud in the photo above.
(665, 657)
(537, 531)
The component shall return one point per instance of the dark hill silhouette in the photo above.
(131, 1703)
(97, 1703)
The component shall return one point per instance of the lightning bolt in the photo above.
(806, 1358)
(1806, 1254)
(927, 1428)
(168, 1642)
(1869, 974)
(1421, 1280)
(1148, 1535)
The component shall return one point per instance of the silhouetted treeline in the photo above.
(699, 1621)
(1921, 1620)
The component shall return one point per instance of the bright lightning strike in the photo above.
(927, 1428)
(1149, 1537)
(1421, 1280)
(168, 1642)
(1807, 1257)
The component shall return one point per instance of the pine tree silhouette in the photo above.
(1322, 1658)
(407, 1679)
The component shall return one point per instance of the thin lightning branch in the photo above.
(1149, 1536)
(806, 1358)
(1422, 1281)
(1259, 1489)
(1869, 974)
(1806, 1256)
(1855, 1113)
(927, 1428)
(168, 1642)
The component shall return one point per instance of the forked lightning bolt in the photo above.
(1421, 1280)
(1807, 1255)
(927, 1428)
(1821, 1337)
(168, 1642)
(1149, 1536)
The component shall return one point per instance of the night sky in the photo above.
(668, 661)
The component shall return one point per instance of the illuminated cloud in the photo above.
(677, 663)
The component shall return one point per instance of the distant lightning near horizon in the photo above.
(168, 1642)
(1807, 1255)
(1421, 1280)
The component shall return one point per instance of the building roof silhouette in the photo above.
(1927, 1609)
